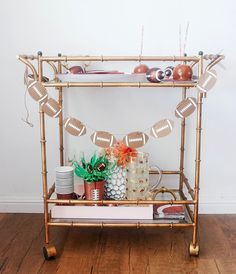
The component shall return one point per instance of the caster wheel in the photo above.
(49, 252)
(193, 251)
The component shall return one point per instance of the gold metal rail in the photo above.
(120, 84)
(190, 190)
(120, 202)
(51, 191)
(136, 225)
(166, 172)
(121, 58)
(183, 197)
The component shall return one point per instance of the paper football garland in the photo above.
(134, 139)
(51, 108)
(207, 81)
(74, 127)
(37, 91)
(162, 128)
(103, 139)
(186, 107)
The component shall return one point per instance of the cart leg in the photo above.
(194, 246)
(48, 251)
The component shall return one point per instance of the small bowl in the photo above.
(65, 196)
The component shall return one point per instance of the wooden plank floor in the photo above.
(119, 250)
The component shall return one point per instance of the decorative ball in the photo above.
(169, 72)
(76, 70)
(141, 69)
(89, 168)
(101, 167)
(182, 73)
(155, 75)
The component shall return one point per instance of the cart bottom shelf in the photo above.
(120, 223)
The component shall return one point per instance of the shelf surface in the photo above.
(120, 222)
(173, 84)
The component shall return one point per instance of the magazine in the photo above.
(169, 212)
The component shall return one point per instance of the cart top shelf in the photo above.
(56, 64)
(102, 58)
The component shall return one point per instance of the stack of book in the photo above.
(169, 212)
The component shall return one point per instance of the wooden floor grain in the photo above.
(118, 250)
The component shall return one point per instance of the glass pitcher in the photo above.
(137, 180)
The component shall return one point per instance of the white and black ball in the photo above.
(155, 75)
(169, 72)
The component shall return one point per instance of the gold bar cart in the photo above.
(191, 204)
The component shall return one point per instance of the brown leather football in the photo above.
(182, 73)
(141, 69)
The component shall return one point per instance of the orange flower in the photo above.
(121, 152)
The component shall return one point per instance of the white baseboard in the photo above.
(218, 207)
(35, 205)
(21, 205)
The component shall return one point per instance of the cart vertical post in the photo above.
(43, 154)
(194, 246)
(60, 101)
(182, 146)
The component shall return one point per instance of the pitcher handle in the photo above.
(159, 176)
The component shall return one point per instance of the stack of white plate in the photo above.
(64, 183)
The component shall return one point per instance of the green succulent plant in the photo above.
(97, 169)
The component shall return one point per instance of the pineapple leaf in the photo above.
(93, 160)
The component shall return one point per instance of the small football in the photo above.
(51, 108)
(186, 107)
(37, 91)
(74, 126)
(182, 73)
(162, 128)
(76, 70)
(207, 80)
(155, 75)
(103, 139)
(135, 139)
(141, 69)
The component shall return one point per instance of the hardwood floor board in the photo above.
(226, 266)
(213, 242)
(80, 250)
(118, 250)
(192, 265)
(227, 224)
(2, 216)
(134, 249)
(166, 248)
(14, 222)
(58, 238)
(24, 232)
(167, 244)
(81, 240)
(112, 252)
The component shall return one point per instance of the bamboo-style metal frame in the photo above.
(56, 64)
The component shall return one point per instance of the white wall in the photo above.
(113, 28)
